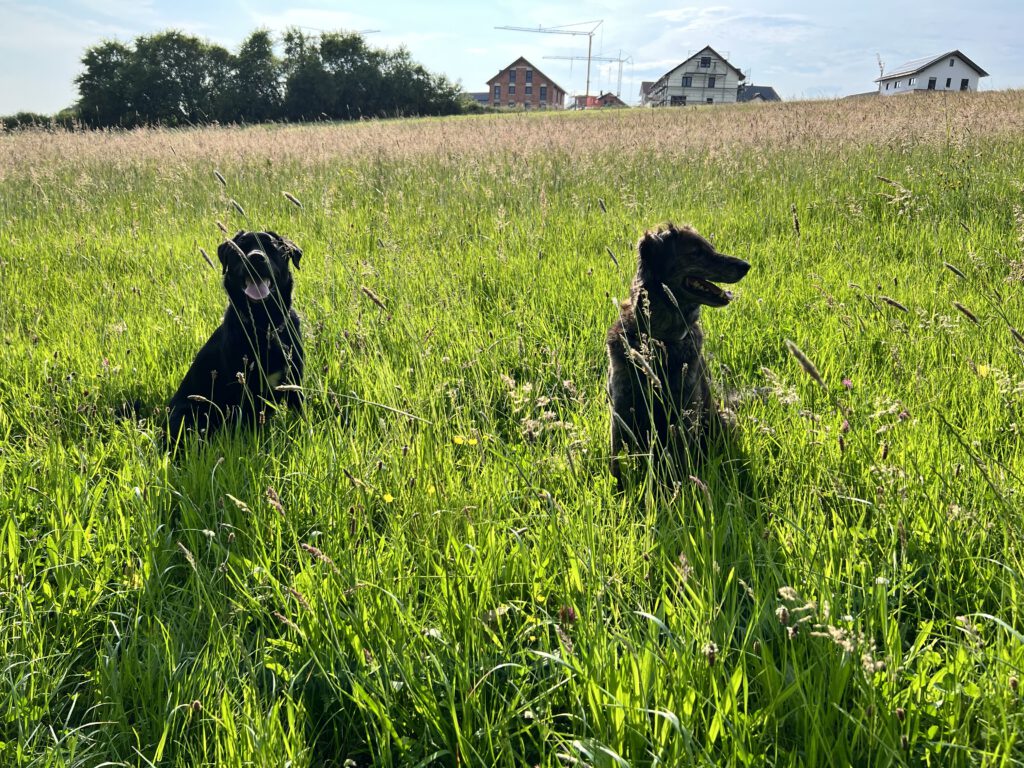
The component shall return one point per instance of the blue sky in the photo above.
(804, 48)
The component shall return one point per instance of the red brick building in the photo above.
(522, 85)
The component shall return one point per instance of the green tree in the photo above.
(103, 86)
(355, 72)
(177, 79)
(171, 78)
(256, 88)
(308, 91)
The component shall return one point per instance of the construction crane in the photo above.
(564, 30)
(620, 59)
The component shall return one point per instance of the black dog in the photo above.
(256, 349)
(658, 382)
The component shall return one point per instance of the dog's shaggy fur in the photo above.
(257, 347)
(658, 382)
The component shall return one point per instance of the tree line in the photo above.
(173, 79)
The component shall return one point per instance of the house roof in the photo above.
(698, 55)
(528, 64)
(914, 66)
(611, 98)
(751, 92)
(645, 87)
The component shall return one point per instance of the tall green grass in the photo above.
(432, 566)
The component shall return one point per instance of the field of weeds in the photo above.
(432, 566)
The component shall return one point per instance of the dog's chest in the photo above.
(268, 361)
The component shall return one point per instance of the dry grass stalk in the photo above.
(809, 368)
(625, 134)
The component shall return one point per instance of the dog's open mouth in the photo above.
(706, 291)
(257, 291)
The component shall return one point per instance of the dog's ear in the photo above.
(290, 249)
(652, 249)
(225, 249)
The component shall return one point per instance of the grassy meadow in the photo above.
(431, 566)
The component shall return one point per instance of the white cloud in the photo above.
(314, 19)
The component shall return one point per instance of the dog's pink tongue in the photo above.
(257, 291)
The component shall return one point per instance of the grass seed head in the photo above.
(893, 303)
(275, 500)
(285, 620)
(966, 312)
(220, 178)
(292, 199)
(711, 653)
(809, 368)
(954, 270)
(373, 297)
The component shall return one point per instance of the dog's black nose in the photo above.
(256, 257)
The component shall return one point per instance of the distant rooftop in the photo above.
(751, 92)
(916, 65)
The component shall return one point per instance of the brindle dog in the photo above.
(658, 382)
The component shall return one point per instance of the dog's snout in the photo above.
(256, 257)
(729, 269)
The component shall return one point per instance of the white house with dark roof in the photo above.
(950, 71)
(705, 78)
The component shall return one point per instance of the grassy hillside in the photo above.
(432, 566)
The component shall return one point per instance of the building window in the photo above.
(677, 101)
(511, 89)
(511, 75)
(511, 103)
(529, 75)
(711, 81)
(911, 81)
(687, 81)
(497, 94)
(543, 93)
(526, 105)
(887, 86)
(705, 62)
(965, 84)
(931, 83)
(711, 100)
(951, 62)
(528, 89)
(897, 84)
(949, 82)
